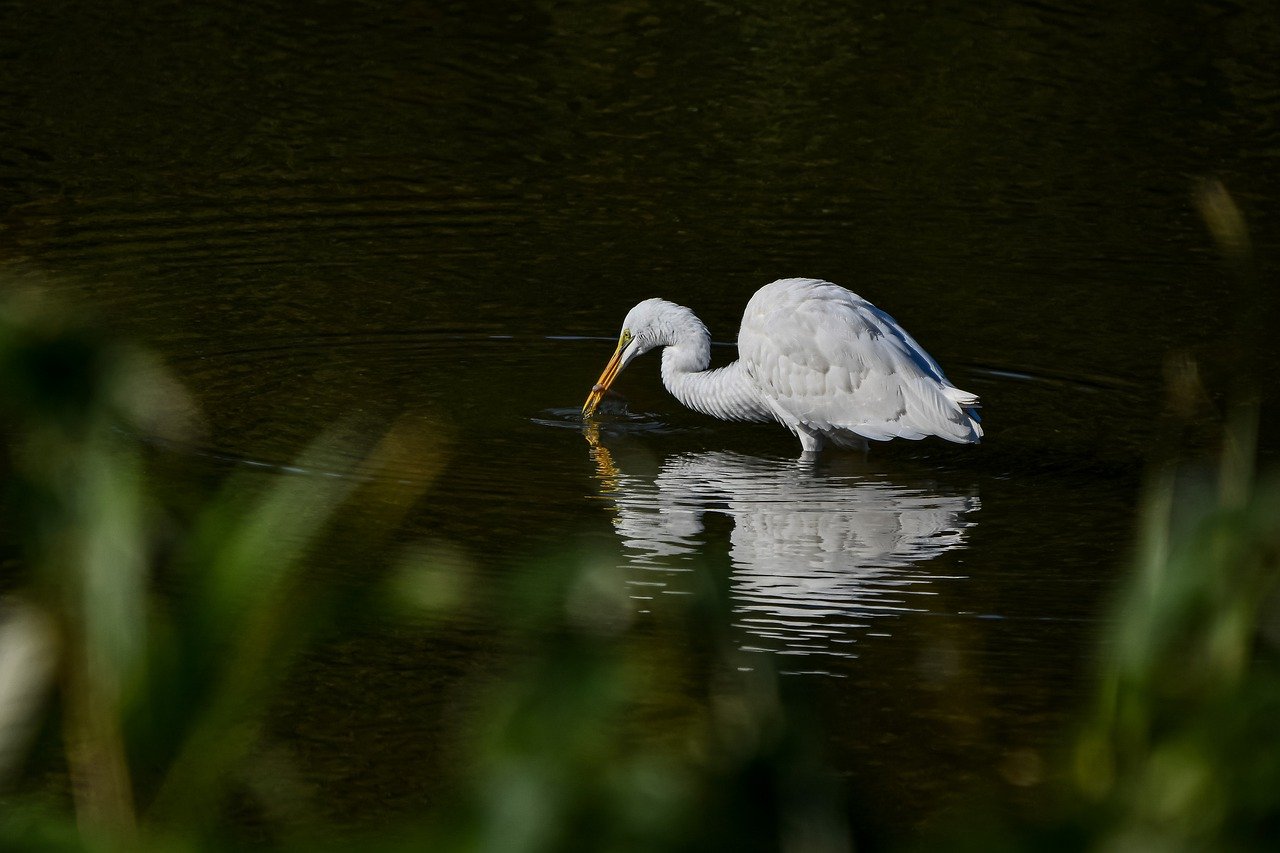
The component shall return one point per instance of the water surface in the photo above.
(440, 213)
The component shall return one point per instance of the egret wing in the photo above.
(832, 362)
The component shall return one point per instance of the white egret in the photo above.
(819, 359)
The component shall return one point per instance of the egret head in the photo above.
(642, 330)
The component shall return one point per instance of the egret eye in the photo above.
(625, 339)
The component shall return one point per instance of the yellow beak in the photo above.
(606, 379)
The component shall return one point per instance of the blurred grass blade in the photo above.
(252, 605)
(245, 613)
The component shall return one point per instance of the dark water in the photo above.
(441, 212)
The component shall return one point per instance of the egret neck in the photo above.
(725, 393)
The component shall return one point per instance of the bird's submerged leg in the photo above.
(810, 442)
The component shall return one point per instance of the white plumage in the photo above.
(815, 357)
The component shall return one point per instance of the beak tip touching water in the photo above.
(593, 399)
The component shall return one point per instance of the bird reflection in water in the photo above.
(816, 555)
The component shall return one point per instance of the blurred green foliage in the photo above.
(159, 697)
(1183, 750)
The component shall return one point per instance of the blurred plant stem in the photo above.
(80, 498)
(1226, 224)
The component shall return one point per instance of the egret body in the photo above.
(817, 358)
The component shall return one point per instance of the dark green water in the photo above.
(441, 212)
